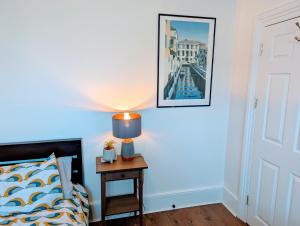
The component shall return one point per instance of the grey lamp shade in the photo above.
(127, 125)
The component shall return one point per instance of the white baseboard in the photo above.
(230, 201)
(180, 198)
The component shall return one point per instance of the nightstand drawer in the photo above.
(122, 175)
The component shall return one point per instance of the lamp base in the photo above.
(127, 149)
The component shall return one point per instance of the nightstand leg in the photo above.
(141, 181)
(135, 186)
(135, 190)
(103, 198)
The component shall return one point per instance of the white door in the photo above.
(275, 177)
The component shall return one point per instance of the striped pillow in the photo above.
(30, 187)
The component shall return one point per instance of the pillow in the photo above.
(30, 187)
(65, 171)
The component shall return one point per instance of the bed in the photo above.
(73, 211)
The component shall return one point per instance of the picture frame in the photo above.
(185, 60)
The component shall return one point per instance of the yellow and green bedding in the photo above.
(66, 212)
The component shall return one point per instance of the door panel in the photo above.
(297, 136)
(282, 47)
(277, 92)
(275, 170)
(267, 189)
(293, 202)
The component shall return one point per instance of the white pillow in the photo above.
(65, 171)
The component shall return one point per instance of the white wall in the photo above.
(66, 65)
(247, 13)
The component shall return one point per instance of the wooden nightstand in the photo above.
(122, 170)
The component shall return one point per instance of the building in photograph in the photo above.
(170, 51)
(172, 63)
(202, 56)
(192, 52)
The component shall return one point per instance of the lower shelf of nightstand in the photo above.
(121, 204)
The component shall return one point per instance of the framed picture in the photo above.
(185, 60)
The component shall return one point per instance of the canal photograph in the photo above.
(185, 60)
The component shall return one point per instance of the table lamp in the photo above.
(127, 126)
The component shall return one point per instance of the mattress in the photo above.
(73, 211)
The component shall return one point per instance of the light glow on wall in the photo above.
(111, 97)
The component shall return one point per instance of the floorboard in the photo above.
(208, 215)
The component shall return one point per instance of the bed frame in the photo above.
(18, 152)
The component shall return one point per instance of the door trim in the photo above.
(272, 16)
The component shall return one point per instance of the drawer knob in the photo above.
(122, 175)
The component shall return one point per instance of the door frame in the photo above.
(281, 13)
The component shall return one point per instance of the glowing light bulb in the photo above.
(126, 116)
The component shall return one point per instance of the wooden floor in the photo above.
(209, 215)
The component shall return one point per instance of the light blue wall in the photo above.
(66, 65)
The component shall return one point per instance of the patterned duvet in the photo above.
(68, 212)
